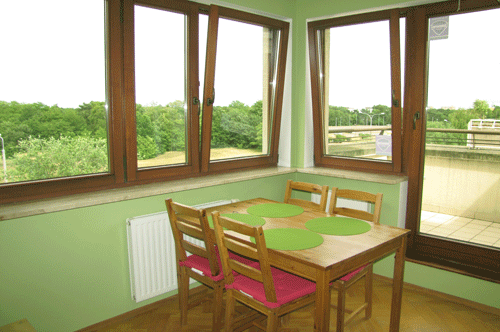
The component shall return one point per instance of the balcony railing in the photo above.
(471, 138)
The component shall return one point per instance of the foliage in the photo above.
(146, 148)
(237, 125)
(41, 158)
(344, 116)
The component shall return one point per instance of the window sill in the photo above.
(25, 209)
(354, 175)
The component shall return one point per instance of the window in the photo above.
(115, 97)
(453, 172)
(450, 83)
(356, 83)
(243, 97)
(52, 90)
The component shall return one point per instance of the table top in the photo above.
(338, 255)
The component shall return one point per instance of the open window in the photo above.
(356, 91)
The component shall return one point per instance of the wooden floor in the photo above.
(421, 311)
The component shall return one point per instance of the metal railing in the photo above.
(472, 138)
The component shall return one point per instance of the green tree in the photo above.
(52, 158)
(146, 148)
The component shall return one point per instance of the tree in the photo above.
(51, 158)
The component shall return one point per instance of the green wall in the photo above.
(67, 270)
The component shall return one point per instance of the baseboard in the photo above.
(444, 296)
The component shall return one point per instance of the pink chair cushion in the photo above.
(288, 287)
(202, 264)
(348, 276)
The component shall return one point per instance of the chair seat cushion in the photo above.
(202, 264)
(288, 287)
(348, 276)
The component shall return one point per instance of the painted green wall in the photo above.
(67, 270)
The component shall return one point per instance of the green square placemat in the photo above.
(275, 210)
(291, 239)
(338, 226)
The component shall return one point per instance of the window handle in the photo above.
(395, 102)
(210, 101)
(416, 116)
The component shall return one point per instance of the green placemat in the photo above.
(291, 239)
(338, 226)
(275, 210)
(245, 218)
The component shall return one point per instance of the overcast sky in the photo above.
(59, 59)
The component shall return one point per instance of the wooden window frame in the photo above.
(271, 159)
(123, 171)
(472, 260)
(320, 158)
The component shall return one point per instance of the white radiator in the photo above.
(151, 253)
(341, 202)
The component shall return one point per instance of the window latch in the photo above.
(416, 116)
(395, 102)
(210, 101)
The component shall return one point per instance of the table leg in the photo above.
(322, 313)
(397, 286)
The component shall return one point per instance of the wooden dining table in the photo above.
(334, 257)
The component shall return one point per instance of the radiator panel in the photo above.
(151, 252)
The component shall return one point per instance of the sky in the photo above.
(61, 60)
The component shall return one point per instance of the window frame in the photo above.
(341, 162)
(40, 189)
(472, 260)
(271, 159)
(133, 173)
(121, 126)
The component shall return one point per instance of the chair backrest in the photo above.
(306, 187)
(186, 220)
(362, 196)
(257, 251)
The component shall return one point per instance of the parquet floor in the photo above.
(421, 311)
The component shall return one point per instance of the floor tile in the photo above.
(460, 228)
(481, 222)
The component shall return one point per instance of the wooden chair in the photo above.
(306, 187)
(257, 285)
(203, 263)
(366, 271)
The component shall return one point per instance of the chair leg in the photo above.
(368, 292)
(340, 307)
(217, 308)
(272, 322)
(230, 305)
(183, 285)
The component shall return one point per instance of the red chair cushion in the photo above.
(288, 287)
(202, 264)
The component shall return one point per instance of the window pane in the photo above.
(461, 191)
(356, 84)
(244, 90)
(53, 107)
(160, 78)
